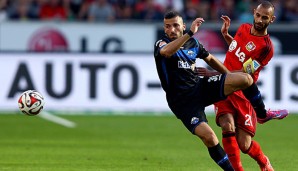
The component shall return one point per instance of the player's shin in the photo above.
(253, 94)
(256, 153)
(232, 149)
(220, 157)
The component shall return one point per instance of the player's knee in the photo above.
(248, 80)
(244, 146)
(226, 123)
(227, 126)
(209, 139)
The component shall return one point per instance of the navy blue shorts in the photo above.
(190, 107)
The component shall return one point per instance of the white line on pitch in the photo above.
(58, 120)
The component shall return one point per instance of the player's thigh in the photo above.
(236, 81)
(245, 117)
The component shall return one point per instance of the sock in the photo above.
(231, 148)
(256, 153)
(253, 94)
(220, 157)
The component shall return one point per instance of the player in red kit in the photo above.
(249, 51)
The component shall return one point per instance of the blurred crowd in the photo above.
(139, 10)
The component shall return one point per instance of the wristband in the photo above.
(190, 33)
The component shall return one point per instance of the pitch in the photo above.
(128, 143)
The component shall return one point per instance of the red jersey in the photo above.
(245, 46)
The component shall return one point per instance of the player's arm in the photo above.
(171, 48)
(201, 71)
(214, 63)
(168, 49)
(211, 60)
(225, 29)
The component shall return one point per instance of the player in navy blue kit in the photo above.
(186, 93)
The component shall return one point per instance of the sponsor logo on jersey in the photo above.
(232, 46)
(194, 120)
(250, 46)
(190, 53)
(182, 64)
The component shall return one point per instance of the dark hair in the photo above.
(267, 4)
(172, 14)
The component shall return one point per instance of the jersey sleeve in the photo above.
(157, 47)
(265, 54)
(203, 53)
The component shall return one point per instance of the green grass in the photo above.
(128, 143)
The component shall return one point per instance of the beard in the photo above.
(259, 26)
(172, 36)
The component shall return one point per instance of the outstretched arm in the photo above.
(169, 49)
(225, 29)
(214, 63)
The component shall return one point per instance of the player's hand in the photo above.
(196, 24)
(200, 71)
(225, 25)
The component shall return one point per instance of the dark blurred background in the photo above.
(143, 12)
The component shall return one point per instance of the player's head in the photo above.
(263, 15)
(173, 25)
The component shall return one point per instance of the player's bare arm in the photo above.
(169, 49)
(225, 29)
(214, 63)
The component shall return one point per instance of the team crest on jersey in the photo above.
(233, 45)
(250, 46)
(182, 64)
(190, 53)
(194, 120)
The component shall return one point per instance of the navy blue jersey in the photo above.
(187, 94)
(177, 73)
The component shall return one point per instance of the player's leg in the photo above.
(209, 138)
(194, 119)
(253, 149)
(237, 81)
(243, 81)
(226, 122)
(253, 94)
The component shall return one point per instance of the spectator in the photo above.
(204, 10)
(291, 11)
(225, 7)
(3, 12)
(177, 5)
(244, 8)
(53, 10)
(190, 10)
(149, 10)
(101, 10)
(123, 9)
(278, 9)
(22, 10)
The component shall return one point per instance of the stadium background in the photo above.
(84, 60)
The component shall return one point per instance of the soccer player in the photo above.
(249, 50)
(187, 94)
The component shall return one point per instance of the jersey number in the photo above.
(248, 120)
(240, 55)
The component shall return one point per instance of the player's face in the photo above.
(174, 27)
(262, 18)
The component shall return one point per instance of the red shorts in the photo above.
(240, 107)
